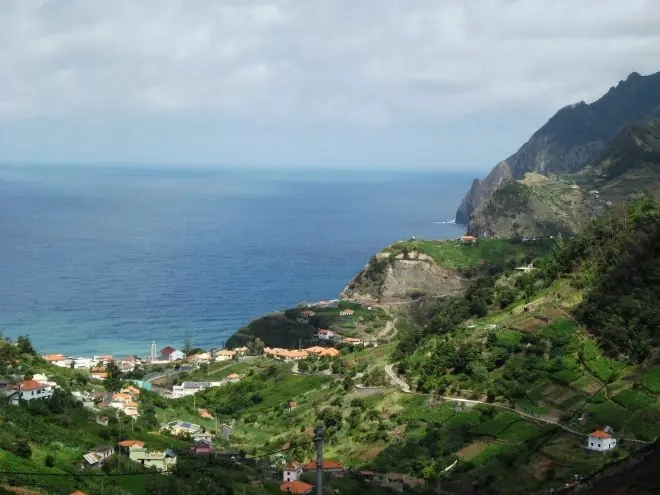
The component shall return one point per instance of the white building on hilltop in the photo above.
(600, 441)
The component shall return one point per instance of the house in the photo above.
(346, 312)
(467, 239)
(331, 467)
(102, 420)
(130, 390)
(105, 359)
(334, 303)
(127, 444)
(131, 409)
(323, 351)
(352, 341)
(326, 334)
(204, 357)
(233, 378)
(98, 373)
(162, 460)
(176, 355)
(285, 354)
(166, 351)
(224, 355)
(297, 487)
(241, 350)
(82, 363)
(28, 390)
(600, 441)
(292, 471)
(305, 315)
(202, 447)
(57, 360)
(181, 428)
(292, 405)
(98, 455)
(191, 388)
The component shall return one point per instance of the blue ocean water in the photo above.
(106, 259)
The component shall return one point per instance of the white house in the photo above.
(600, 441)
(292, 471)
(346, 312)
(177, 355)
(326, 334)
(29, 390)
(57, 360)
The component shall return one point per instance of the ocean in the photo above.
(103, 260)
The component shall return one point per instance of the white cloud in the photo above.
(372, 62)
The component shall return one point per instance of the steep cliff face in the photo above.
(629, 165)
(573, 137)
(401, 276)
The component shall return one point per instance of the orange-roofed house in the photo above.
(56, 359)
(330, 352)
(127, 444)
(328, 467)
(29, 390)
(131, 390)
(325, 334)
(77, 492)
(233, 378)
(467, 239)
(600, 441)
(353, 341)
(317, 350)
(99, 373)
(297, 487)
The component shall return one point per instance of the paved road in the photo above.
(395, 378)
(406, 388)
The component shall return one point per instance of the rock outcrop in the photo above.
(391, 277)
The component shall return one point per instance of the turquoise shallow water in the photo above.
(105, 259)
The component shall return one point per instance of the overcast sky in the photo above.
(417, 84)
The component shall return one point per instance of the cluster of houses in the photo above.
(126, 363)
(191, 388)
(288, 355)
(160, 460)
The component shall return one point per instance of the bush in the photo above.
(49, 461)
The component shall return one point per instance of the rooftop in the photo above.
(296, 487)
(600, 434)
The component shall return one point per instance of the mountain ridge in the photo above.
(570, 139)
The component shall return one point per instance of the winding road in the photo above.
(389, 369)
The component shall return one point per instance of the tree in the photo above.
(113, 382)
(256, 346)
(49, 461)
(25, 346)
(28, 374)
(187, 347)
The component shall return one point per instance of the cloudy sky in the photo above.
(417, 84)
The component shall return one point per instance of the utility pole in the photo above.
(318, 439)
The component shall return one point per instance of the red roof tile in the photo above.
(29, 385)
(296, 487)
(600, 434)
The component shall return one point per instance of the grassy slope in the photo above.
(451, 254)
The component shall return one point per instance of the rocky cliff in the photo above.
(629, 165)
(391, 276)
(571, 139)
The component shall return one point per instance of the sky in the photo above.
(446, 85)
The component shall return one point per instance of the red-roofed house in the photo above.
(600, 441)
(467, 239)
(328, 467)
(298, 487)
(326, 334)
(29, 390)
